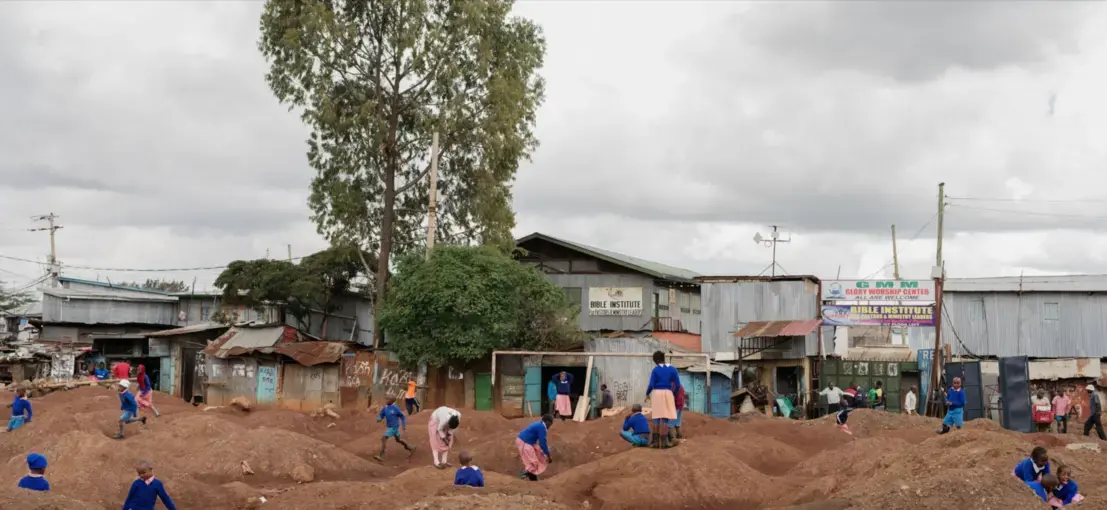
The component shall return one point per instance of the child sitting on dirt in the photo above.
(468, 475)
(636, 428)
(1033, 467)
(21, 410)
(394, 418)
(34, 480)
(1044, 489)
(146, 490)
(129, 406)
(1067, 490)
(955, 402)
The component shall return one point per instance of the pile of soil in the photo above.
(21, 499)
(486, 502)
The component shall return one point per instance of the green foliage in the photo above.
(158, 284)
(463, 302)
(374, 80)
(300, 288)
(14, 299)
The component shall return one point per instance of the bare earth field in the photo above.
(892, 462)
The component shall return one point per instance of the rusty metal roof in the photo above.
(241, 340)
(778, 328)
(314, 353)
(195, 328)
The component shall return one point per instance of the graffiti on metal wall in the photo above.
(393, 381)
(622, 390)
(455, 375)
(356, 371)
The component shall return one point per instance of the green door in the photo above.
(483, 392)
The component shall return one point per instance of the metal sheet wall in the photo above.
(91, 311)
(610, 322)
(729, 306)
(307, 388)
(627, 378)
(1036, 324)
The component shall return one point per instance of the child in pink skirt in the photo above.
(664, 379)
(440, 429)
(534, 451)
(563, 381)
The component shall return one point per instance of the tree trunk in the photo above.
(386, 228)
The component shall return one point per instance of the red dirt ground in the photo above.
(891, 462)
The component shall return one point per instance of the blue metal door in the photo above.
(720, 396)
(267, 384)
(532, 400)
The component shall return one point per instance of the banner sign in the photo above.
(615, 301)
(878, 290)
(878, 315)
(925, 358)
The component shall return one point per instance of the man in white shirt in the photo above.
(833, 398)
(911, 401)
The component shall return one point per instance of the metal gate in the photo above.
(1014, 393)
(969, 372)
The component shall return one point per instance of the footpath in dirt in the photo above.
(229, 459)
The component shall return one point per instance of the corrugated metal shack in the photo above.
(183, 364)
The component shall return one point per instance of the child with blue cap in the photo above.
(34, 481)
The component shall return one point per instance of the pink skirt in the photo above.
(145, 401)
(534, 461)
(563, 405)
(663, 405)
(437, 444)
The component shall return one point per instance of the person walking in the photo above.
(121, 370)
(1062, 404)
(1096, 407)
(145, 397)
(911, 401)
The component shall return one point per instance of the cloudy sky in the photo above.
(672, 131)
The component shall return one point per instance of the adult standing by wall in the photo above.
(1062, 405)
(443, 422)
(911, 401)
(833, 398)
(1096, 407)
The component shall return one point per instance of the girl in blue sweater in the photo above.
(146, 490)
(21, 410)
(664, 382)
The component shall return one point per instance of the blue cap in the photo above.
(36, 461)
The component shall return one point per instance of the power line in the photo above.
(1034, 200)
(1030, 213)
(130, 269)
(893, 260)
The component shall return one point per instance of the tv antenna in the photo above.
(774, 238)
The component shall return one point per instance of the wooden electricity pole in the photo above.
(938, 274)
(55, 269)
(432, 195)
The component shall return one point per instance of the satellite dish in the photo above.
(757, 238)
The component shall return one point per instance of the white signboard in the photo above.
(878, 290)
(615, 301)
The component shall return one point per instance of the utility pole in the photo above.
(432, 195)
(290, 253)
(941, 218)
(52, 227)
(895, 275)
(939, 275)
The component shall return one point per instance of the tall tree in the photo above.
(466, 301)
(374, 80)
(13, 299)
(159, 284)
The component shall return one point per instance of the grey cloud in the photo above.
(912, 40)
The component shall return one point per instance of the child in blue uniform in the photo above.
(146, 490)
(394, 418)
(1044, 489)
(468, 475)
(636, 428)
(129, 406)
(664, 381)
(1033, 467)
(534, 451)
(1066, 490)
(955, 402)
(21, 410)
(34, 481)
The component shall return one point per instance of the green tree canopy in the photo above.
(13, 299)
(465, 301)
(159, 284)
(374, 80)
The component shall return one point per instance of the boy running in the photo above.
(394, 418)
(129, 406)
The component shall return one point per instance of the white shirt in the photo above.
(911, 403)
(833, 395)
(442, 417)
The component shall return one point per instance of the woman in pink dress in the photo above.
(440, 430)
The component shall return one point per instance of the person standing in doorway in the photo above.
(833, 398)
(1096, 407)
(551, 394)
(911, 401)
(564, 383)
(121, 370)
(1062, 404)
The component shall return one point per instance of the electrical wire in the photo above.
(130, 269)
(945, 316)
(1033, 200)
(893, 260)
(28, 286)
(1029, 213)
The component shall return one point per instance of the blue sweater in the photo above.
(956, 398)
(146, 380)
(34, 483)
(142, 496)
(127, 402)
(1039, 490)
(20, 407)
(392, 416)
(551, 390)
(536, 433)
(101, 373)
(563, 386)
(1025, 470)
(638, 423)
(663, 377)
(469, 475)
(1066, 491)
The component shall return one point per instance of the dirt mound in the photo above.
(486, 502)
(856, 457)
(22, 499)
(950, 488)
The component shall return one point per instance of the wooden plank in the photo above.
(582, 403)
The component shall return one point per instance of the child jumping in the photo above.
(21, 410)
(35, 481)
(145, 397)
(129, 407)
(955, 401)
(846, 405)
(636, 428)
(394, 418)
(468, 475)
(1033, 467)
(664, 380)
(1067, 490)
(146, 490)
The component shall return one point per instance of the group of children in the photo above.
(1058, 489)
(144, 492)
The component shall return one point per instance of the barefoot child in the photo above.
(955, 401)
(394, 418)
(146, 490)
(664, 380)
(34, 481)
(145, 397)
(534, 451)
(468, 475)
(636, 428)
(1033, 467)
(21, 410)
(1066, 490)
(129, 407)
